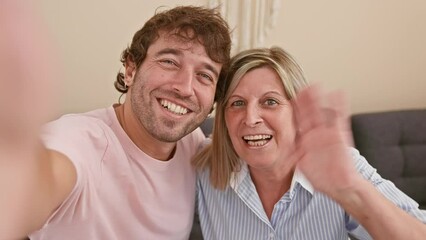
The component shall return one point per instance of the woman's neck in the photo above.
(271, 186)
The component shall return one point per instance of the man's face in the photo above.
(172, 92)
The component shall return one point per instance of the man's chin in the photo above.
(172, 131)
(170, 136)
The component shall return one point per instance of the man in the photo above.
(124, 172)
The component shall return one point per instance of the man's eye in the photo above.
(168, 62)
(206, 76)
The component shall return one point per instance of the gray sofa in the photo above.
(394, 142)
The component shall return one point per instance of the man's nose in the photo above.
(183, 84)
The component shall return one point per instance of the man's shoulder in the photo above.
(77, 131)
(84, 121)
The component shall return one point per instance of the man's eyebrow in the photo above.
(168, 51)
(180, 53)
(211, 68)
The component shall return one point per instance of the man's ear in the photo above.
(130, 71)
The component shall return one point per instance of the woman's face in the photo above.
(259, 118)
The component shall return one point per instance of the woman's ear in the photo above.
(130, 71)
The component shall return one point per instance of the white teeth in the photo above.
(257, 137)
(257, 143)
(257, 140)
(173, 107)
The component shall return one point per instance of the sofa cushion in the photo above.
(207, 126)
(395, 144)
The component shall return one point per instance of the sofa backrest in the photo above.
(395, 144)
(207, 126)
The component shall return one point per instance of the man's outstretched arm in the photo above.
(33, 180)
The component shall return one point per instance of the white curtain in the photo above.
(250, 20)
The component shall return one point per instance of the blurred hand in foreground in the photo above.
(27, 74)
(324, 137)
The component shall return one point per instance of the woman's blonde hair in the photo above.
(220, 157)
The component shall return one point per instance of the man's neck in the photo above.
(151, 146)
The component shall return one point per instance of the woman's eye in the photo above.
(237, 103)
(271, 102)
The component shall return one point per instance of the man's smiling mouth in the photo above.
(173, 108)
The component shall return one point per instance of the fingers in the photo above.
(315, 109)
(28, 70)
(338, 102)
(308, 109)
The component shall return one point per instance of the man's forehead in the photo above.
(171, 40)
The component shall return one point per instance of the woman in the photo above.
(281, 166)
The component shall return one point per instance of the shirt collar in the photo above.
(298, 177)
(238, 177)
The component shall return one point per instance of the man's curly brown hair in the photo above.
(189, 23)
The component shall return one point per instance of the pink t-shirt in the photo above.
(120, 193)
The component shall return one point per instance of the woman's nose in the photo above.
(253, 116)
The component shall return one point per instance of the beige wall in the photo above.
(374, 50)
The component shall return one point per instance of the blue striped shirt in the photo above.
(301, 213)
